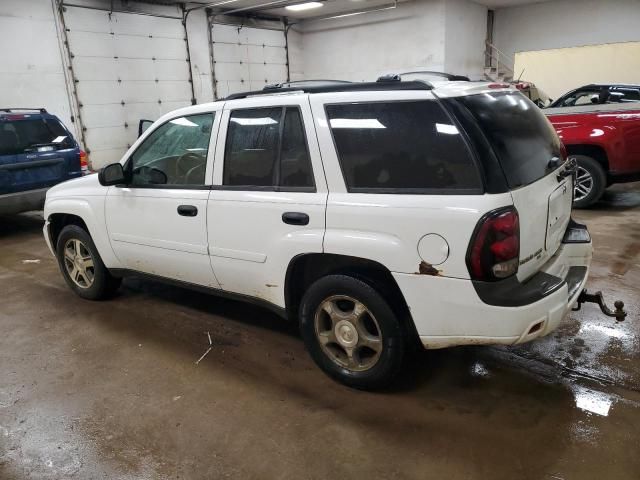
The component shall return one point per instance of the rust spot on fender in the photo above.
(427, 269)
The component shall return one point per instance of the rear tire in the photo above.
(81, 265)
(351, 332)
(591, 182)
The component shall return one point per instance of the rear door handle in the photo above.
(295, 218)
(187, 210)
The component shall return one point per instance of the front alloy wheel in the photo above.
(79, 263)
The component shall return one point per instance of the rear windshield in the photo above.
(521, 136)
(25, 134)
(401, 147)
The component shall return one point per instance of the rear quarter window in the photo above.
(518, 131)
(401, 147)
(20, 135)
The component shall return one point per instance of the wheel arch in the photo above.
(306, 268)
(57, 221)
(598, 153)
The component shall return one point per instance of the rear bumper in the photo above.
(449, 311)
(11, 203)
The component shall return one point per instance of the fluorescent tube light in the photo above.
(303, 6)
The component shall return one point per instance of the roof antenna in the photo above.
(521, 73)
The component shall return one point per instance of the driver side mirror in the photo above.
(112, 174)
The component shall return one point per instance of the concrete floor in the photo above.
(111, 390)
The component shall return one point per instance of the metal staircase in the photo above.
(496, 64)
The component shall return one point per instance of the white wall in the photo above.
(465, 34)
(31, 69)
(440, 35)
(566, 23)
(362, 47)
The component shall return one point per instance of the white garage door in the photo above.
(126, 67)
(247, 58)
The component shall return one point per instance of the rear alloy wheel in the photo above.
(348, 333)
(351, 332)
(590, 183)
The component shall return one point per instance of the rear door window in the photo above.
(624, 95)
(521, 136)
(401, 147)
(267, 147)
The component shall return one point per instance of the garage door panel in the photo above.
(100, 116)
(226, 88)
(257, 85)
(225, 33)
(87, 19)
(89, 44)
(107, 138)
(255, 54)
(132, 69)
(275, 55)
(132, 46)
(95, 68)
(125, 23)
(262, 36)
(172, 70)
(232, 71)
(174, 92)
(99, 92)
(271, 73)
(101, 157)
(228, 52)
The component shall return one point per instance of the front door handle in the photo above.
(187, 210)
(295, 218)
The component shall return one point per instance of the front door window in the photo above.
(174, 154)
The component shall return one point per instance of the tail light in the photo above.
(563, 151)
(84, 164)
(494, 251)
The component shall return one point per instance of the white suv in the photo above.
(378, 215)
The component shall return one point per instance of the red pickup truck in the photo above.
(600, 127)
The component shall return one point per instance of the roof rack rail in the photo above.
(339, 87)
(305, 83)
(14, 109)
(452, 77)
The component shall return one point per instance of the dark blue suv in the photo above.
(36, 152)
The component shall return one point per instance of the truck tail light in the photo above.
(84, 164)
(494, 251)
(563, 151)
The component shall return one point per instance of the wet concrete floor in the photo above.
(111, 390)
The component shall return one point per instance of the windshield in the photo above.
(20, 135)
(520, 134)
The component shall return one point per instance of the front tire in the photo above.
(351, 332)
(81, 265)
(591, 182)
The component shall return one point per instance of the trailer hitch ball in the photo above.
(585, 297)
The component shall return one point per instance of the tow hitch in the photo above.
(619, 314)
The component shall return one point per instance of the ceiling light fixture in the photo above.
(303, 6)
